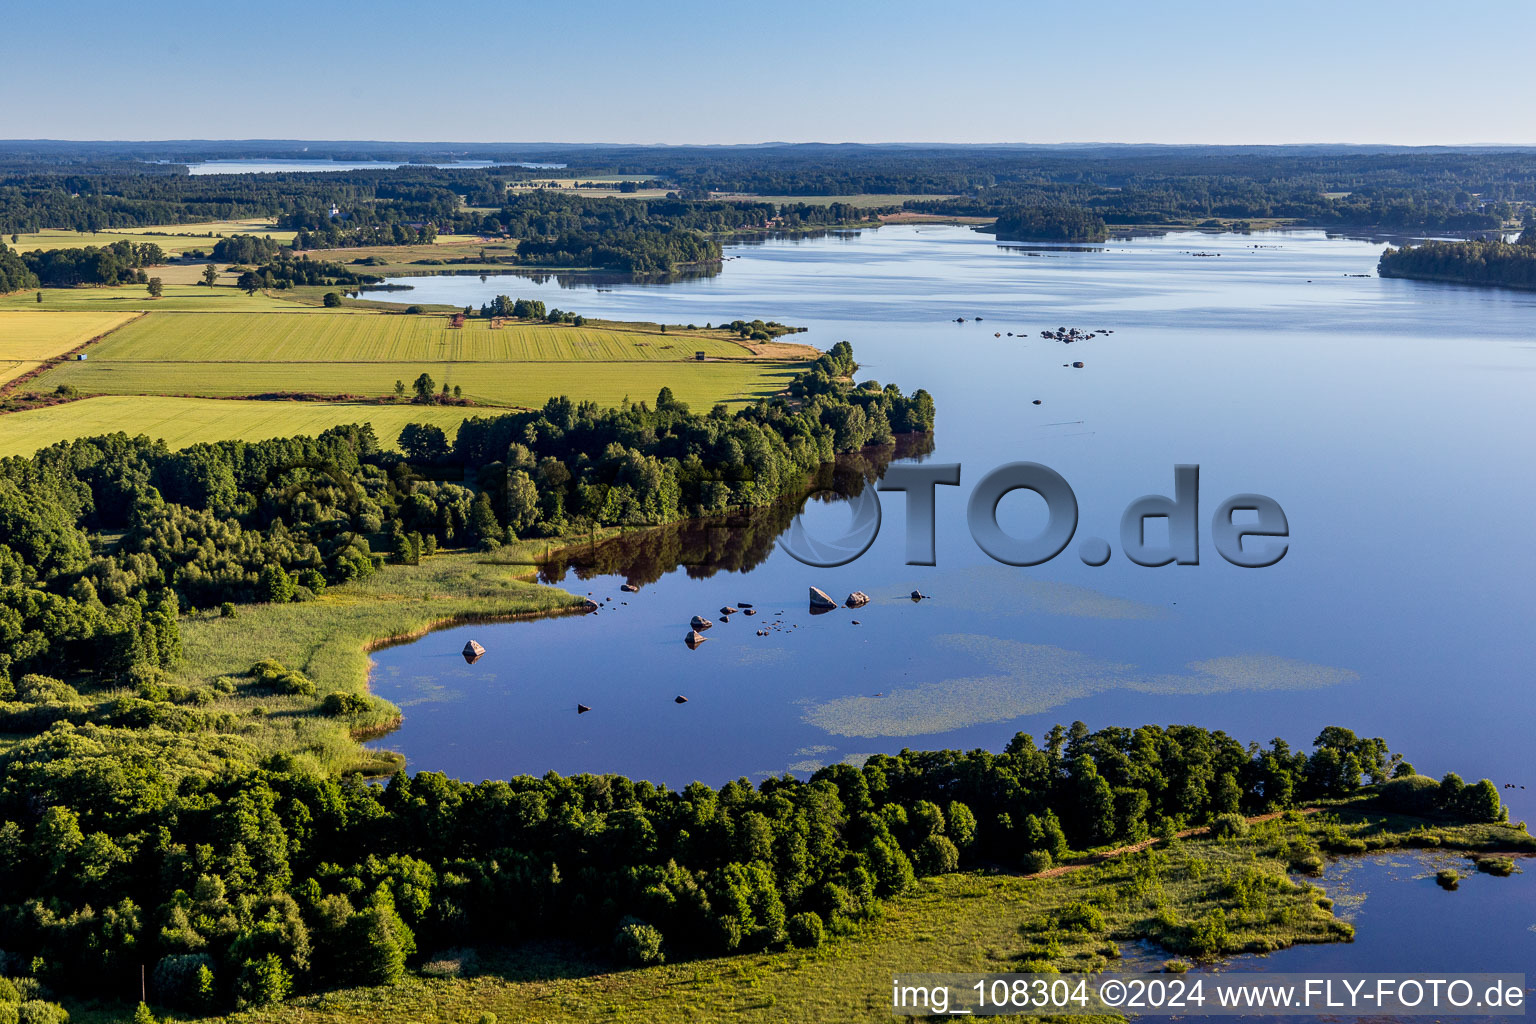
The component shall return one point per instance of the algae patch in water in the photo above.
(1026, 679)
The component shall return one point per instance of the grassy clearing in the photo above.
(173, 238)
(131, 298)
(328, 640)
(958, 923)
(365, 337)
(28, 338)
(186, 421)
(521, 385)
(446, 247)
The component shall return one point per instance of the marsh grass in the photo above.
(328, 641)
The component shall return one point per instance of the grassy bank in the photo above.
(1079, 920)
(328, 640)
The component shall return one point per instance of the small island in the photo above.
(1489, 262)
(1054, 223)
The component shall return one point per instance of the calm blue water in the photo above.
(275, 166)
(1405, 922)
(1388, 418)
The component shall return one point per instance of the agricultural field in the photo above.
(132, 298)
(173, 238)
(28, 339)
(180, 422)
(192, 375)
(524, 385)
(366, 337)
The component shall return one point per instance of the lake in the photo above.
(1388, 418)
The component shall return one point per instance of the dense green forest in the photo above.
(1049, 224)
(118, 263)
(240, 883)
(282, 519)
(1490, 262)
(287, 272)
(15, 275)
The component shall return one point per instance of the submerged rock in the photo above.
(819, 599)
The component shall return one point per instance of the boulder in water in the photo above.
(700, 622)
(629, 588)
(819, 599)
(582, 709)
(727, 610)
(694, 638)
(472, 649)
(857, 599)
(679, 699)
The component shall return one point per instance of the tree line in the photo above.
(122, 262)
(15, 275)
(240, 883)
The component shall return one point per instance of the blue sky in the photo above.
(1022, 71)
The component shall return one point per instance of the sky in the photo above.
(722, 72)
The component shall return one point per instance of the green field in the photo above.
(370, 337)
(526, 385)
(184, 421)
(134, 298)
(232, 355)
(159, 369)
(173, 238)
